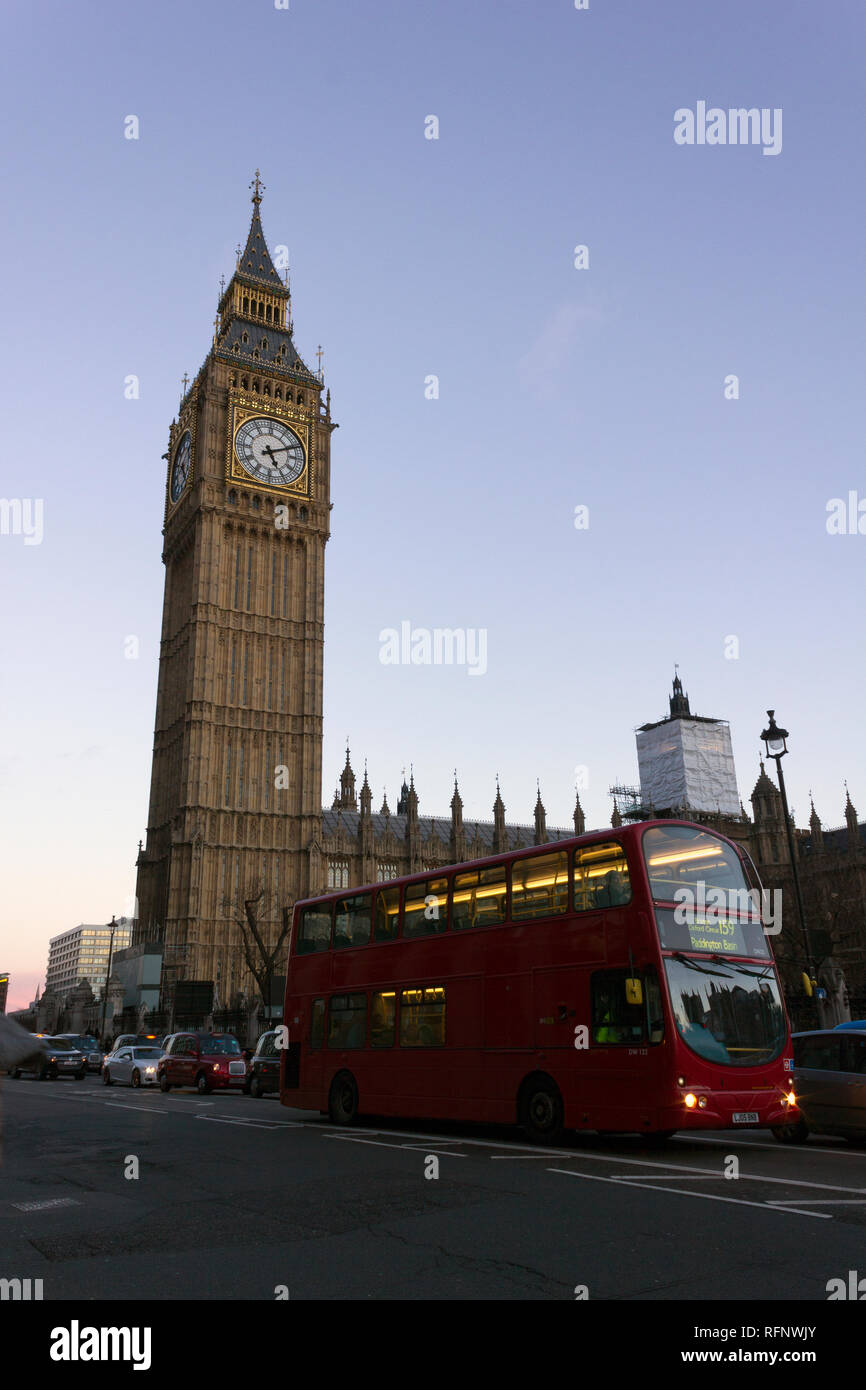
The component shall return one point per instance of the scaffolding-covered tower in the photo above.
(686, 762)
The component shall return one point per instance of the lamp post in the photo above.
(113, 925)
(776, 745)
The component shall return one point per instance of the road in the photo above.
(235, 1198)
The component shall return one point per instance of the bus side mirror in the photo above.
(633, 991)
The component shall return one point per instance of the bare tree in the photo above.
(260, 961)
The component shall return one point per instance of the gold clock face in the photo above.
(269, 451)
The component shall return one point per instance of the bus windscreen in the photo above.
(704, 901)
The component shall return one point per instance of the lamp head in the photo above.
(774, 738)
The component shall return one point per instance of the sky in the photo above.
(602, 380)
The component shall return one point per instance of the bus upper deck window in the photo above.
(601, 877)
(386, 914)
(315, 930)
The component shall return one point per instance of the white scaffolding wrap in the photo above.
(688, 764)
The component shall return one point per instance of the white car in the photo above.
(131, 1066)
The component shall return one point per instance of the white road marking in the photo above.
(356, 1139)
(121, 1105)
(665, 1177)
(247, 1124)
(822, 1202)
(425, 1149)
(674, 1170)
(44, 1206)
(811, 1150)
(700, 1196)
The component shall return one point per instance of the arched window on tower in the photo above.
(261, 309)
(268, 313)
(246, 308)
(278, 393)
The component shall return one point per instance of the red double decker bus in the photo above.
(621, 981)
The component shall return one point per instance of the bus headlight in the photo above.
(691, 1101)
(789, 1099)
(702, 1103)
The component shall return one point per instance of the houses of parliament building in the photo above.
(236, 808)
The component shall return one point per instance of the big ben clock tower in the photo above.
(235, 799)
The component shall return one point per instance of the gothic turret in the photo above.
(851, 821)
(771, 842)
(458, 835)
(616, 818)
(817, 832)
(500, 835)
(413, 827)
(540, 820)
(579, 817)
(366, 796)
(348, 801)
(679, 702)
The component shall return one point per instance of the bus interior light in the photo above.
(680, 856)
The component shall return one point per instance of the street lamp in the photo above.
(113, 925)
(775, 742)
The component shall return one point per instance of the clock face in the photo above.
(269, 450)
(180, 467)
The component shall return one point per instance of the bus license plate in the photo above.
(746, 1117)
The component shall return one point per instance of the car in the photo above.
(858, 1023)
(137, 1040)
(207, 1061)
(132, 1066)
(55, 1058)
(830, 1083)
(264, 1068)
(93, 1053)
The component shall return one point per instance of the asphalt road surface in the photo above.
(235, 1198)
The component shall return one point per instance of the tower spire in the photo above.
(259, 188)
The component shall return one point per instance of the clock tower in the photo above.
(235, 799)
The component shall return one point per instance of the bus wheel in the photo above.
(791, 1134)
(343, 1099)
(658, 1137)
(539, 1109)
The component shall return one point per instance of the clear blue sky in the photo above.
(558, 387)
